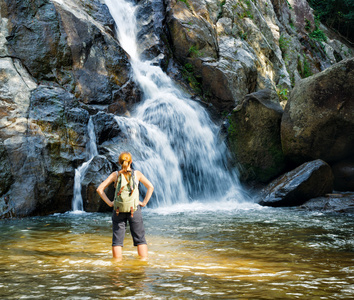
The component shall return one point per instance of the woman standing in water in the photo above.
(120, 218)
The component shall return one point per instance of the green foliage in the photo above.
(246, 9)
(283, 94)
(289, 5)
(291, 23)
(193, 51)
(283, 43)
(246, 14)
(318, 35)
(304, 68)
(336, 14)
(307, 25)
(221, 5)
(188, 75)
(231, 130)
(243, 35)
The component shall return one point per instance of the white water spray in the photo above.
(77, 203)
(178, 143)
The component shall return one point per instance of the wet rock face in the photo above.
(310, 180)
(151, 36)
(98, 171)
(318, 118)
(106, 127)
(254, 137)
(55, 56)
(44, 158)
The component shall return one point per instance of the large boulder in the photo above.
(254, 136)
(310, 180)
(318, 118)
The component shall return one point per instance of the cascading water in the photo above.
(77, 203)
(178, 143)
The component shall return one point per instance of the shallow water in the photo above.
(242, 252)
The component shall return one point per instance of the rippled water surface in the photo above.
(241, 252)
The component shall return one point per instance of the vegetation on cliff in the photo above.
(337, 15)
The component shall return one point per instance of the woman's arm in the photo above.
(100, 190)
(148, 185)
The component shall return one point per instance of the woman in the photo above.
(120, 218)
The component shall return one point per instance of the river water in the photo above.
(196, 251)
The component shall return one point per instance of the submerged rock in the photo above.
(310, 180)
(338, 202)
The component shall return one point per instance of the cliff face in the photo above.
(59, 60)
(236, 47)
(60, 63)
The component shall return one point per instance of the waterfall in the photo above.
(77, 203)
(177, 142)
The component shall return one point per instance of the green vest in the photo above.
(126, 194)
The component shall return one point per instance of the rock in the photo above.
(339, 202)
(42, 36)
(69, 47)
(310, 180)
(15, 90)
(254, 137)
(106, 127)
(318, 119)
(6, 177)
(151, 36)
(42, 158)
(98, 170)
(343, 172)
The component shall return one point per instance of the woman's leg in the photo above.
(119, 224)
(143, 251)
(138, 233)
(117, 252)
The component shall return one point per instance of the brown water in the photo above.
(241, 253)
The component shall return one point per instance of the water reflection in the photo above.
(242, 254)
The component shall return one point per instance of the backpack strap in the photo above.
(119, 187)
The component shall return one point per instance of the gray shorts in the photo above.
(136, 228)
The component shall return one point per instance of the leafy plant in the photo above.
(243, 35)
(283, 94)
(318, 35)
(193, 51)
(188, 75)
(221, 5)
(283, 43)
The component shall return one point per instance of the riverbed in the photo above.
(196, 251)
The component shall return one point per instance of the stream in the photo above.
(196, 251)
